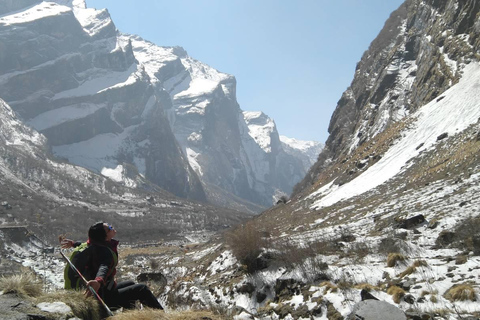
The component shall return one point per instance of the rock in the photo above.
(367, 295)
(376, 310)
(406, 285)
(411, 222)
(152, 276)
(410, 299)
(261, 296)
(54, 307)
(445, 238)
(287, 287)
(246, 288)
(442, 136)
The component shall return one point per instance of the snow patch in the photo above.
(40, 11)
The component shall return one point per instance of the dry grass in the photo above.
(461, 292)
(406, 272)
(149, 314)
(367, 286)
(397, 293)
(393, 258)
(24, 284)
(83, 308)
(420, 263)
(328, 287)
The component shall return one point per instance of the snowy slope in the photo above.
(458, 108)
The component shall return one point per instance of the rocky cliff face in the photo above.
(106, 100)
(64, 72)
(418, 55)
(236, 154)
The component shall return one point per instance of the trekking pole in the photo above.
(109, 312)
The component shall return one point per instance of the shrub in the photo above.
(393, 258)
(246, 243)
(24, 284)
(397, 293)
(307, 258)
(460, 292)
(359, 250)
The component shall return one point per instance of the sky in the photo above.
(292, 59)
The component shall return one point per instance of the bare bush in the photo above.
(307, 258)
(359, 250)
(246, 242)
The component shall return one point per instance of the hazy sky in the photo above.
(292, 59)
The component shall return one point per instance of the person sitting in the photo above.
(100, 270)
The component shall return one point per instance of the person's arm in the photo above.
(68, 243)
(105, 263)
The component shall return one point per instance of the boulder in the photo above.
(376, 310)
(152, 277)
(411, 222)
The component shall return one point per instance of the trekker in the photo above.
(101, 268)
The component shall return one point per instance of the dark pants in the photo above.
(128, 292)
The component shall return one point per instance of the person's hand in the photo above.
(66, 243)
(95, 286)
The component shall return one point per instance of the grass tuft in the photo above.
(393, 258)
(461, 292)
(24, 284)
(397, 293)
(328, 286)
(407, 271)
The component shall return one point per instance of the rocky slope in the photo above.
(52, 198)
(416, 57)
(105, 100)
(390, 210)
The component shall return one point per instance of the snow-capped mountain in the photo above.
(106, 101)
(309, 150)
(232, 151)
(389, 211)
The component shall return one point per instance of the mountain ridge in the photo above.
(155, 108)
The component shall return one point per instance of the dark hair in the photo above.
(97, 232)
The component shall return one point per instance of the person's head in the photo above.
(101, 231)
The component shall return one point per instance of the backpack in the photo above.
(81, 259)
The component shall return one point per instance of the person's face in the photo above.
(110, 230)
